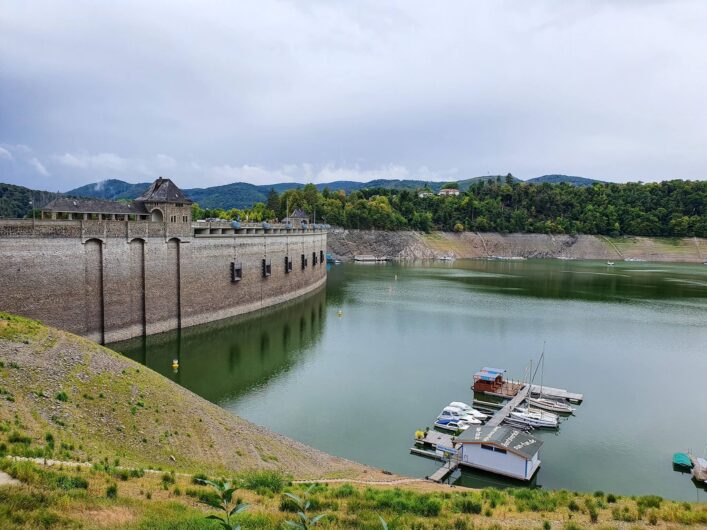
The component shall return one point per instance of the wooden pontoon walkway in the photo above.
(447, 469)
(557, 393)
(509, 407)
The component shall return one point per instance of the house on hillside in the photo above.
(448, 192)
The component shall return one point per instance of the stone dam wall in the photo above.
(114, 280)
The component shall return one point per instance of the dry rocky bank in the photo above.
(345, 244)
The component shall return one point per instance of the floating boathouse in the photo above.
(502, 450)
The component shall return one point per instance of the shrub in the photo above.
(346, 490)
(264, 480)
(68, 482)
(611, 498)
(17, 438)
(460, 524)
(466, 505)
(168, 479)
(62, 396)
(573, 506)
(652, 518)
(649, 501)
(112, 491)
(199, 478)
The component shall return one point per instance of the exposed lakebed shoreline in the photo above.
(345, 244)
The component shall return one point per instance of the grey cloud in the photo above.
(219, 92)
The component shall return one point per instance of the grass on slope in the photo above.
(95, 403)
(106, 497)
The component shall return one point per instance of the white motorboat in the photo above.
(536, 418)
(551, 405)
(453, 413)
(446, 258)
(469, 410)
(451, 425)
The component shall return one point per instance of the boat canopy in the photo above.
(681, 459)
(489, 374)
(496, 371)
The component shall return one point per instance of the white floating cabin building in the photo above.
(502, 450)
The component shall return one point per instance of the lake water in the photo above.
(632, 338)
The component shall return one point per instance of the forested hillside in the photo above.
(17, 201)
(671, 208)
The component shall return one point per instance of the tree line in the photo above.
(673, 208)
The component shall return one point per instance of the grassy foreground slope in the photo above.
(98, 441)
(101, 404)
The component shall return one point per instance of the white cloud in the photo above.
(101, 161)
(39, 167)
(4, 153)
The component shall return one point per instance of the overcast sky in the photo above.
(267, 91)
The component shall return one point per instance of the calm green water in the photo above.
(632, 338)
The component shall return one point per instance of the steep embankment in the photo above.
(101, 404)
(345, 244)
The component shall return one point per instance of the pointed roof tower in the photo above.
(164, 190)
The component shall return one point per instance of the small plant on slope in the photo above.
(303, 504)
(224, 502)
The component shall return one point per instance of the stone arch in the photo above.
(136, 283)
(93, 291)
(156, 215)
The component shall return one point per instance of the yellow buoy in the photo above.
(339, 313)
(175, 363)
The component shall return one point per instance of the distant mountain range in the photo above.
(14, 200)
(243, 195)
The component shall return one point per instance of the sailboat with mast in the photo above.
(546, 403)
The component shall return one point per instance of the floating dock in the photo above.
(490, 381)
(556, 393)
(441, 444)
(509, 407)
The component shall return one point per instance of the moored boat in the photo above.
(551, 405)
(469, 410)
(451, 425)
(535, 418)
(454, 413)
(682, 460)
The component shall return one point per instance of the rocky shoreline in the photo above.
(345, 244)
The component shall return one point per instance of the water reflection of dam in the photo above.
(223, 359)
